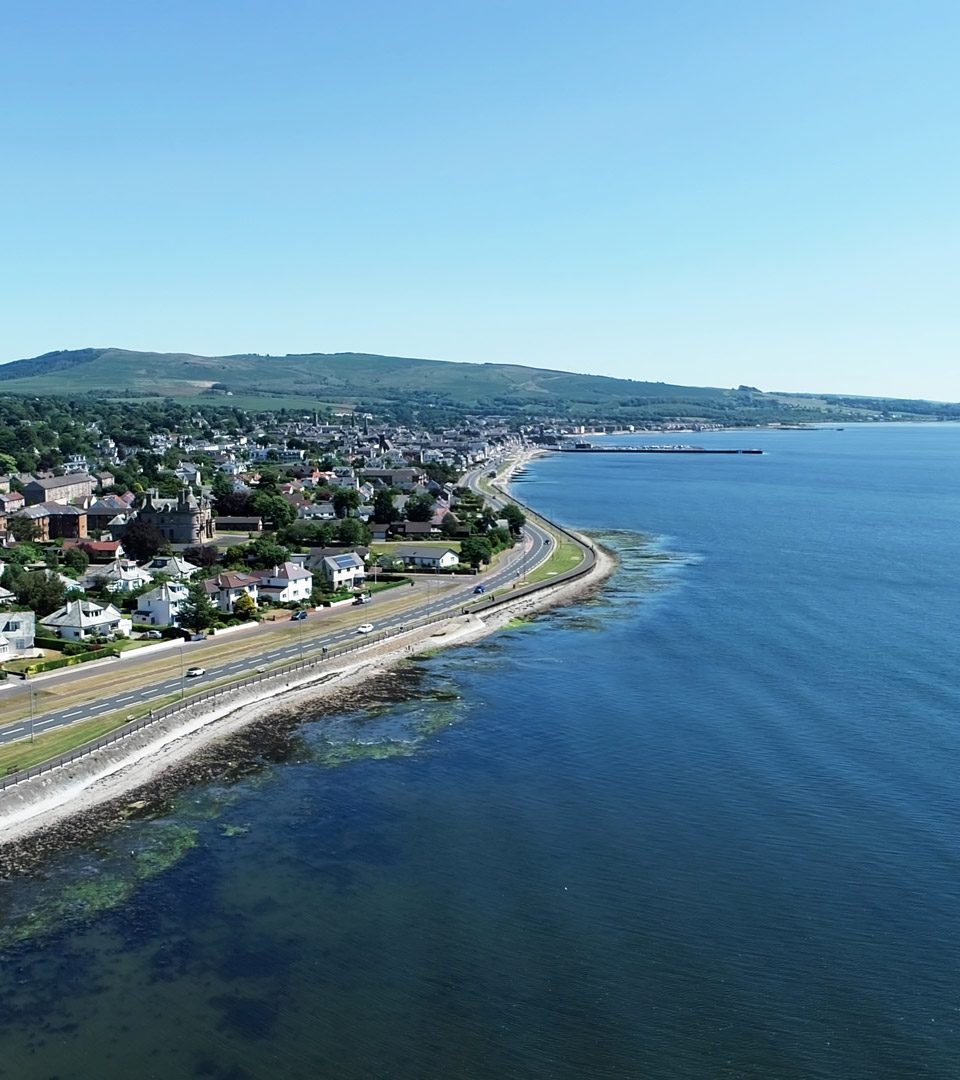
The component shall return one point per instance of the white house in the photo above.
(344, 570)
(226, 589)
(81, 619)
(120, 576)
(288, 583)
(172, 565)
(433, 558)
(161, 606)
(321, 511)
(16, 634)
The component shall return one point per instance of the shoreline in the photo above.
(66, 806)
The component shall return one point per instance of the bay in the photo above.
(703, 825)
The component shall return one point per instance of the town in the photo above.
(171, 533)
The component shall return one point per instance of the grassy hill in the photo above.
(392, 383)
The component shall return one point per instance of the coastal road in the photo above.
(449, 596)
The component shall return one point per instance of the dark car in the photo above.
(480, 589)
(297, 616)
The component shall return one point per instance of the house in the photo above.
(58, 489)
(11, 501)
(321, 511)
(82, 619)
(102, 512)
(238, 524)
(99, 551)
(343, 570)
(433, 558)
(120, 576)
(16, 634)
(184, 520)
(161, 606)
(226, 589)
(288, 583)
(418, 530)
(54, 521)
(174, 566)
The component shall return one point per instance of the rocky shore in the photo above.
(139, 775)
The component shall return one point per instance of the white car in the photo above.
(365, 628)
(195, 672)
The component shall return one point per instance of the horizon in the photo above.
(700, 196)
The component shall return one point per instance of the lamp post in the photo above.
(300, 624)
(31, 714)
(181, 673)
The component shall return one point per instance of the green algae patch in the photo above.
(52, 906)
(333, 755)
(165, 848)
(234, 830)
(518, 622)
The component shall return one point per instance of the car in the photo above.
(195, 672)
(153, 635)
(480, 589)
(299, 616)
(361, 600)
(365, 628)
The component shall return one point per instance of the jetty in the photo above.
(589, 448)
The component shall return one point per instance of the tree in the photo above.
(265, 552)
(449, 526)
(244, 607)
(515, 518)
(475, 550)
(345, 500)
(384, 512)
(222, 487)
(198, 612)
(274, 508)
(204, 555)
(41, 591)
(23, 528)
(419, 507)
(353, 531)
(76, 559)
(142, 540)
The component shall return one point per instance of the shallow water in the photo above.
(703, 825)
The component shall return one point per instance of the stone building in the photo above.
(184, 520)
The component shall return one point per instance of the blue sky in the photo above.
(705, 193)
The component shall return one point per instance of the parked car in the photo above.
(480, 589)
(365, 628)
(153, 635)
(195, 672)
(298, 616)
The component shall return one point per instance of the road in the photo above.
(280, 643)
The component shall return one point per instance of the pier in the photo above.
(587, 448)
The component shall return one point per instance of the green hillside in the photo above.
(399, 384)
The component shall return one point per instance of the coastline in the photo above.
(69, 804)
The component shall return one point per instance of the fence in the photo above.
(325, 657)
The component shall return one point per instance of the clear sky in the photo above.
(700, 192)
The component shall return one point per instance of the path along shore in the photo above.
(47, 801)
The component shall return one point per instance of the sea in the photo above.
(704, 824)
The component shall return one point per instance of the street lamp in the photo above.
(31, 714)
(181, 673)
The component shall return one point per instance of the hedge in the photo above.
(70, 661)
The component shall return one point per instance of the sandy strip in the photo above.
(107, 774)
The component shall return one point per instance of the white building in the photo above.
(433, 558)
(161, 606)
(16, 634)
(344, 570)
(288, 583)
(82, 619)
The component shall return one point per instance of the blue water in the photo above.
(705, 825)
